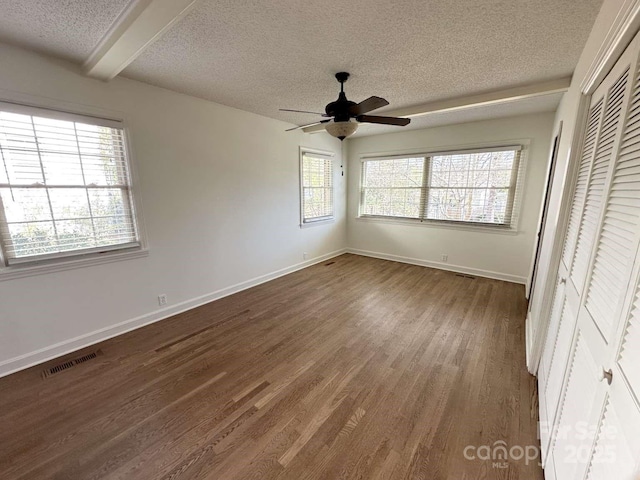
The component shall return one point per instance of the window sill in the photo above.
(28, 270)
(317, 223)
(436, 224)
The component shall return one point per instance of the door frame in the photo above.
(555, 147)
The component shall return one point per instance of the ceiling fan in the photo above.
(340, 113)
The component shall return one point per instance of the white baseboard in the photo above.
(62, 348)
(442, 266)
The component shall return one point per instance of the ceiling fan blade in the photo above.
(308, 125)
(368, 105)
(302, 111)
(401, 122)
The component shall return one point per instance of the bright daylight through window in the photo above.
(474, 187)
(64, 185)
(317, 187)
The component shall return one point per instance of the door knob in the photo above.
(608, 374)
(563, 280)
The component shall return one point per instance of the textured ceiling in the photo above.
(543, 103)
(261, 55)
(68, 29)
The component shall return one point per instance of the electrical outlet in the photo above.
(162, 299)
(445, 257)
(304, 256)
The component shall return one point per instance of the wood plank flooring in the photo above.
(353, 368)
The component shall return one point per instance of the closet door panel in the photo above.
(554, 323)
(596, 187)
(578, 402)
(560, 359)
(628, 359)
(615, 252)
(617, 446)
(577, 202)
(553, 361)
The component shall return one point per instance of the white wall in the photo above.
(481, 252)
(219, 190)
(554, 226)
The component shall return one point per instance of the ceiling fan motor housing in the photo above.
(340, 109)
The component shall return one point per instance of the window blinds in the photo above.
(64, 185)
(317, 187)
(480, 187)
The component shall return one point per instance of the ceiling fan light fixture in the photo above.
(341, 130)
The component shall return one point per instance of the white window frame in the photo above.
(329, 156)
(29, 105)
(516, 193)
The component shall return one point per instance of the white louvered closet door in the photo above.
(555, 355)
(596, 421)
(556, 351)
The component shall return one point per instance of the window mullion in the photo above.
(424, 191)
(512, 189)
(3, 218)
(328, 192)
(363, 181)
(6, 171)
(125, 177)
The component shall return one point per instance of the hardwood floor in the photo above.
(353, 368)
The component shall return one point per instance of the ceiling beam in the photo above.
(137, 27)
(473, 101)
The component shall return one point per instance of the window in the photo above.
(64, 185)
(316, 186)
(470, 187)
